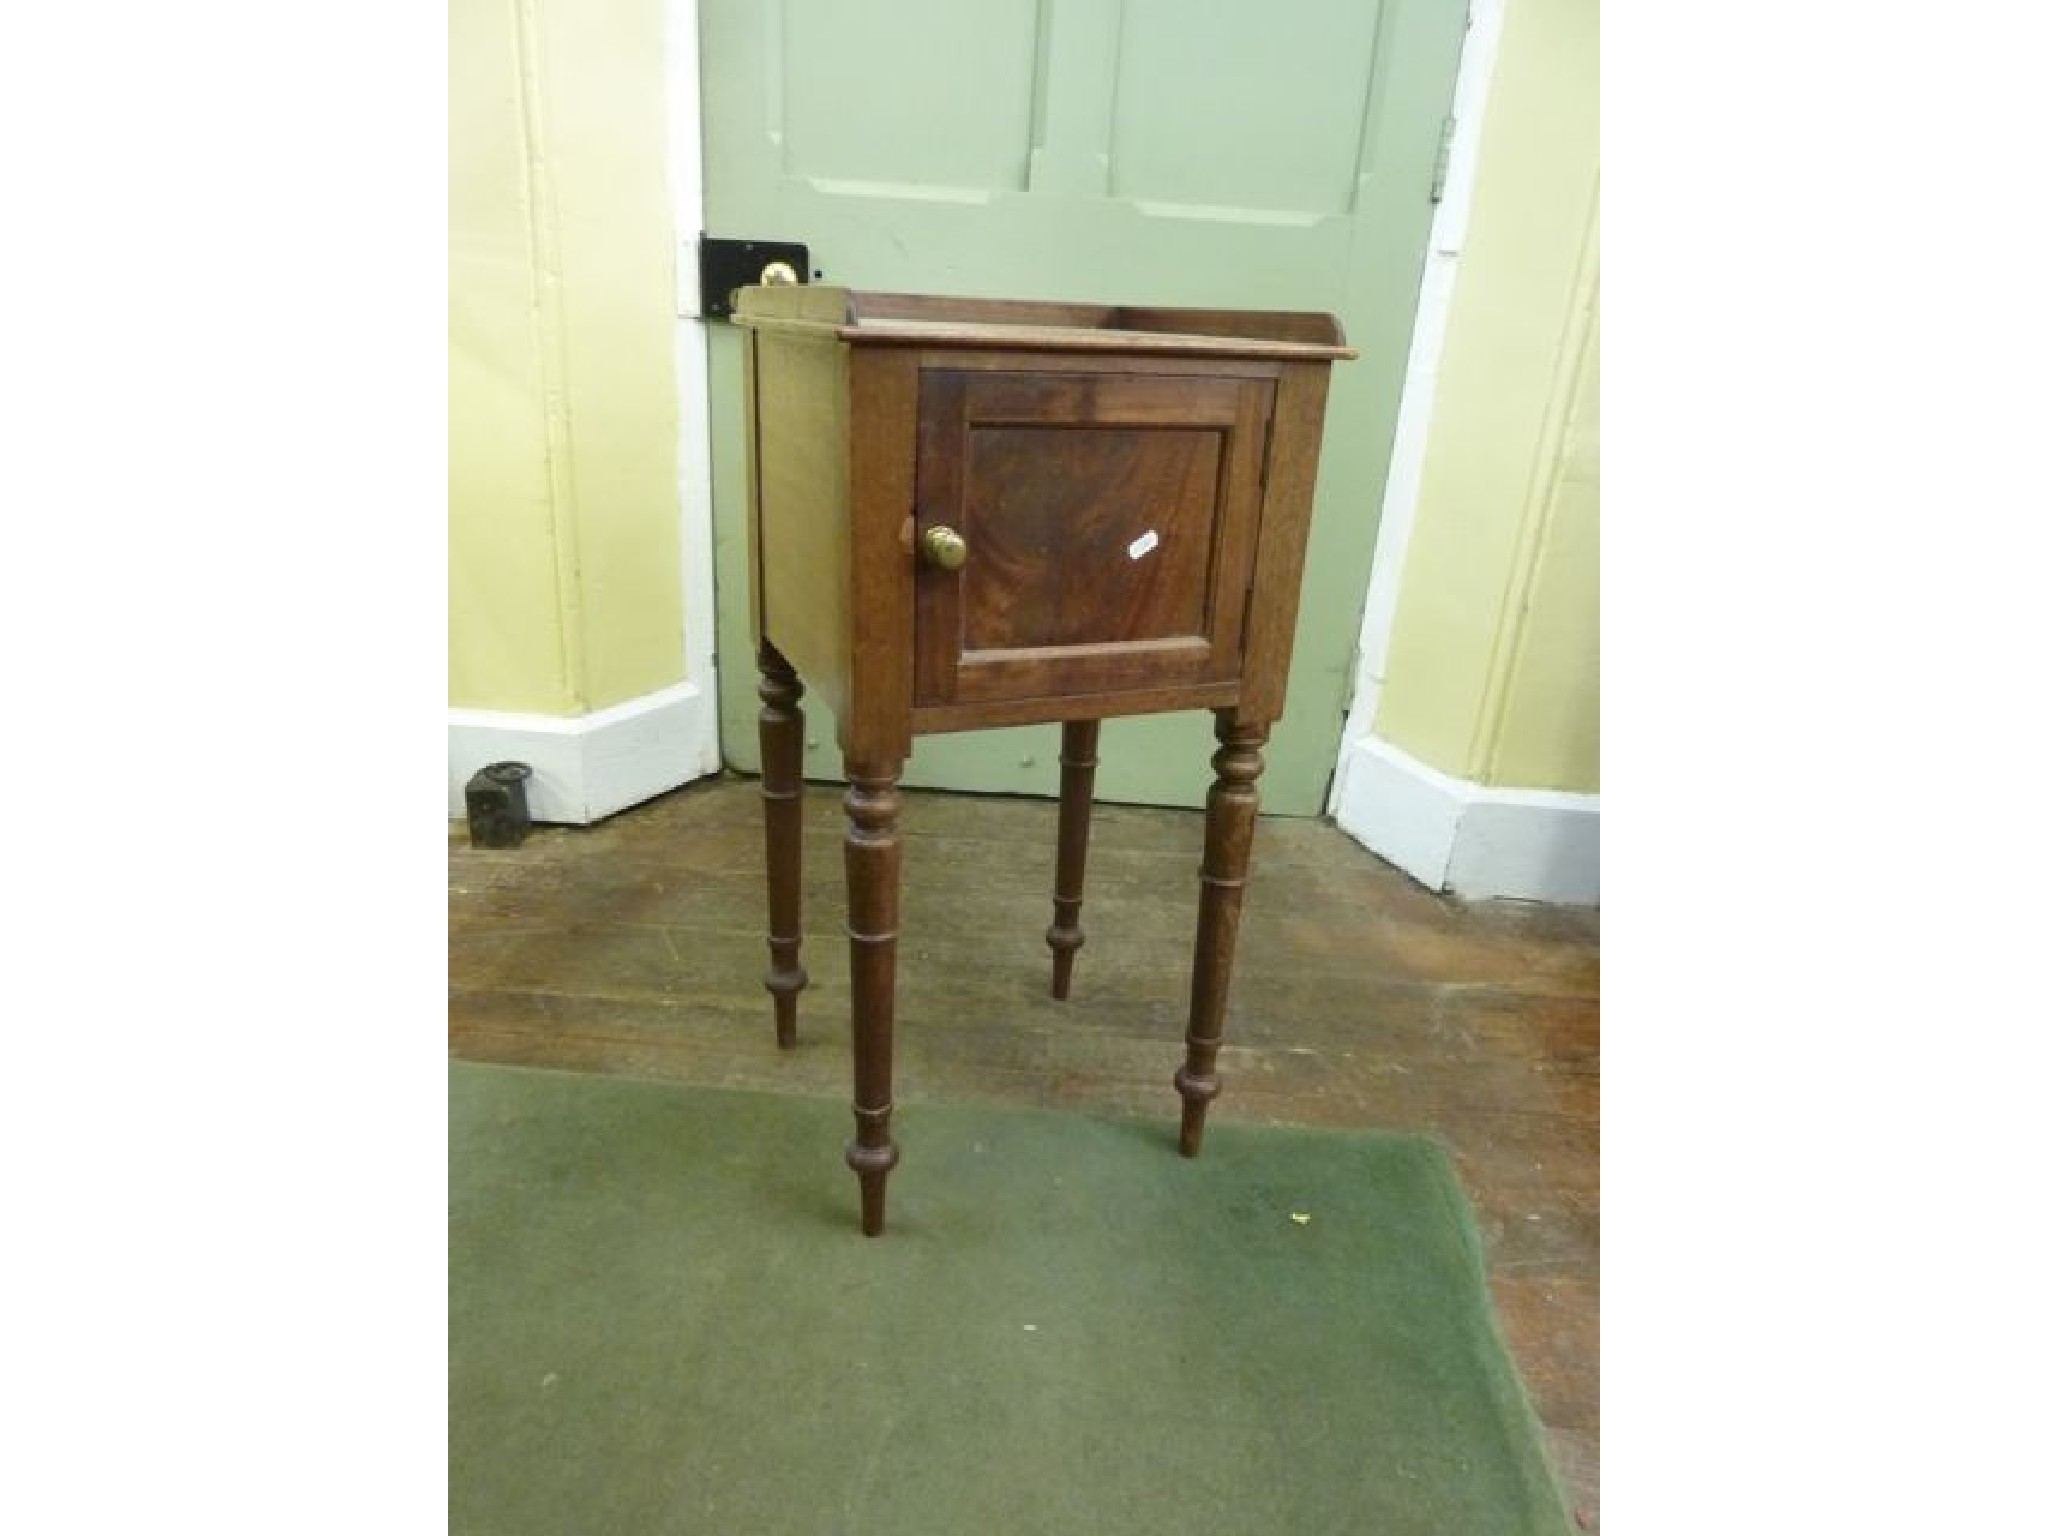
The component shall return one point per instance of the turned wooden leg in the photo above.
(873, 868)
(1226, 856)
(1077, 798)
(782, 804)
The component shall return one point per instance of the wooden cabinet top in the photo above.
(931, 321)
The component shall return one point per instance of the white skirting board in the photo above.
(585, 767)
(1453, 835)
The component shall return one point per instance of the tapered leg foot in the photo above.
(1077, 798)
(873, 871)
(1062, 965)
(872, 1165)
(1226, 859)
(782, 792)
(1195, 1094)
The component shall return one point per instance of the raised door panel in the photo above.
(1284, 131)
(1110, 523)
(908, 99)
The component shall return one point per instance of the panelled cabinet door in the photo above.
(1110, 524)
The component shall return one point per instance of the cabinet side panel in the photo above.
(884, 459)
(751, 414)
(1283, 537)
(803, 550)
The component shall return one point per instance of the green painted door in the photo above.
(1277, 155)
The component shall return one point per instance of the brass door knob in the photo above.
(942, 547)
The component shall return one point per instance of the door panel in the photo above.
(1124, 151)
(1110, 522)
(859, 112)
(1136, 504)
(1234, 150)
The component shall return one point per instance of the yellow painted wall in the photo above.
(565, 579)
(1549, 732)
(1493, 660)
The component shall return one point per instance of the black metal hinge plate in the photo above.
(724, 266)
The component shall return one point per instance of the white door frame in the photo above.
(693, 380)
(1418, 389)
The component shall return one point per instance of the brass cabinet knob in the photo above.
(942, 547)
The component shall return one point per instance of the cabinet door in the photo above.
(1110, 521)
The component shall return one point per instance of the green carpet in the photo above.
(663, 1318)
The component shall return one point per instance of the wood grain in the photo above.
(882, 470)
(1045, 338)
(1078, 740)
(1051, 516)
(1283, 538)
(804, 555)
(1226, 865)
(874, 866)
(1110, 523)
(1036, 708)
(941, 320)
(782, 792)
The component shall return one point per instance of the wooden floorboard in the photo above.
(635, 947)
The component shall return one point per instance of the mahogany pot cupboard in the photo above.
(979, 512)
